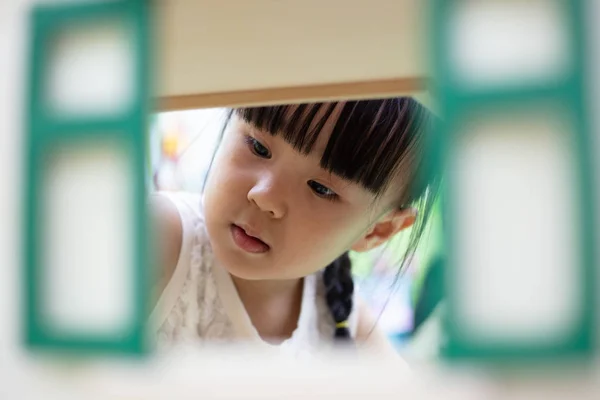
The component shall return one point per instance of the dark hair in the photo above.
(371, 143)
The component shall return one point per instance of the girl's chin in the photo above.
(243, 266)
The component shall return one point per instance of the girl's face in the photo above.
(304, 217)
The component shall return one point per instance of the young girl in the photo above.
(262, 254)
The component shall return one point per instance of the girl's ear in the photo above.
(386, 228)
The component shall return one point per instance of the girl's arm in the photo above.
(168, 237)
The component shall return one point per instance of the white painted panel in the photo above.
(91, 70)
(515, 198)
(507, 41)
(87, 241)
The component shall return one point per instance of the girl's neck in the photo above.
(272, 305)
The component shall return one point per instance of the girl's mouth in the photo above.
(246, 242)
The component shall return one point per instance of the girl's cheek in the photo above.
(229, 157)
(237, 172)
(238, 154)
(325, 216)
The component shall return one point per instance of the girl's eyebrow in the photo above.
(249, 126)
(341, 183)
(256, 131)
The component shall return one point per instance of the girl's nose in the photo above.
(269, 196)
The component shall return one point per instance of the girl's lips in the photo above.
(246, 242)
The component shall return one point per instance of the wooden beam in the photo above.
(286, 95)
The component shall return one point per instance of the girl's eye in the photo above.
(257, 148)
(322, 191)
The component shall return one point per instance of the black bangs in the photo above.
(368, 142)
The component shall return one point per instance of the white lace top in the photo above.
(201, 301)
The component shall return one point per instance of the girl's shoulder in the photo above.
(178, 222)
(187, 213)
(188, 206)
(190, 263)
